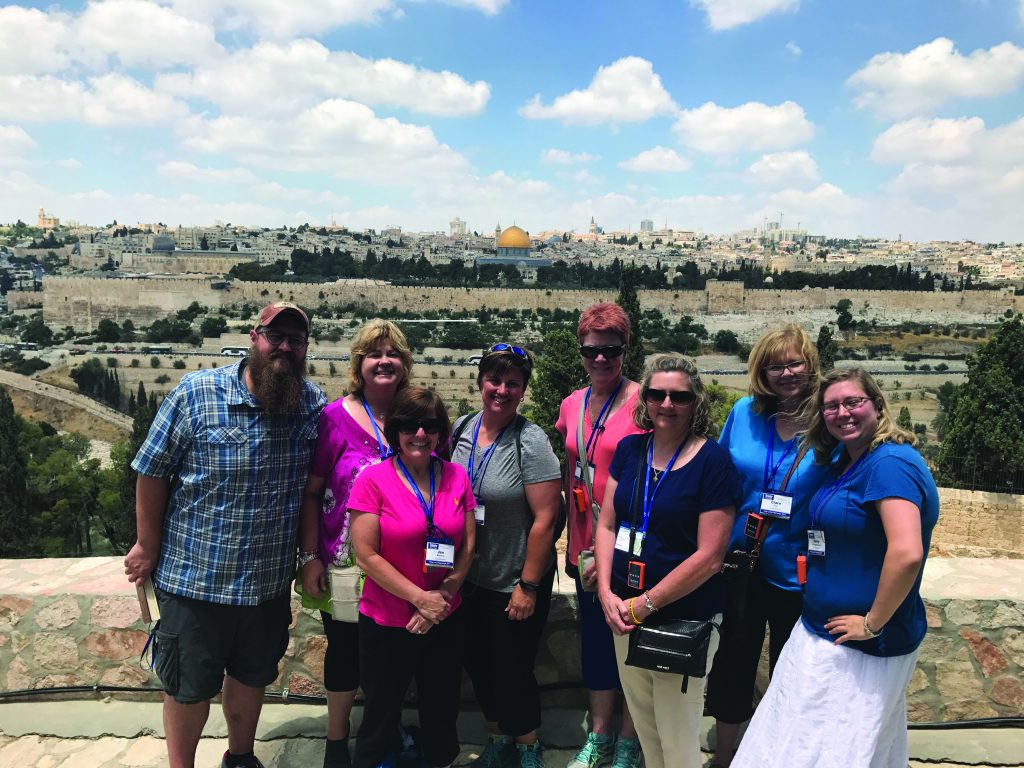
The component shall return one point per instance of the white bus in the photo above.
(234, 351)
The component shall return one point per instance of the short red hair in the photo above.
(604, 317)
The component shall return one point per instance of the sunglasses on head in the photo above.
(412, 426)
(591, 351)
(503, 347)
(678, 397)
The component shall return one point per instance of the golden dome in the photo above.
(514, 237)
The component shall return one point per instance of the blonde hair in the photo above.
(673, 362)
(773, 345)
(887, 430)
(366, 340)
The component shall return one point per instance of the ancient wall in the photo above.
(978, 523)
(76, 622)
(82, 301)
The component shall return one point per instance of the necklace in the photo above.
(657, 474)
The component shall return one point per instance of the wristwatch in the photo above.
(306, 557)
(648, 603)
(527, 586)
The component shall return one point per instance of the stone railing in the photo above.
(76, 623)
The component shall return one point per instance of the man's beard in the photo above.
(279, 391)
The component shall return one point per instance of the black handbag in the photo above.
(679, 647)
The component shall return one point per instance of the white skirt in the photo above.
(830, 706)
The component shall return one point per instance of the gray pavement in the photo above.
(110, 733)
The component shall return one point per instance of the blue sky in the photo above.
(852, 118)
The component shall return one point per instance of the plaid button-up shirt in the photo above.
(236, 478)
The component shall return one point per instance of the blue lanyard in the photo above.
(648, 496)
(384, 450)
(770, 478)
(825, 494)
(428, 509)
(486, 460)
(596, 427)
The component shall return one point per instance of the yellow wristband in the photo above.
(633, 615)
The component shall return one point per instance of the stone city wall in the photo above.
(979, 524)
(76, 623)
(82, 302)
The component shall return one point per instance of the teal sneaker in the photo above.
(530, 755)
(599, 750)
(495, 753)
(627, 753)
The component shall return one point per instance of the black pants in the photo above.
(734, 671)
(500, 656)
(391, 658)
(341, 661)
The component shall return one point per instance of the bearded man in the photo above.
(220, 482)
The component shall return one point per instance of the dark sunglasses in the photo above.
(503, 347)
(680, 397)
(412, 426)
(610, 351)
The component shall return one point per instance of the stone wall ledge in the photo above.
(71, 622)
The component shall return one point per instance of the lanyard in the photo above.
(428, 509)
(769, 478)
(486, 460)
(384, 450)
(648, 500)
(825, 494)
(596, 427)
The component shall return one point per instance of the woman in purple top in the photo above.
(350, 439)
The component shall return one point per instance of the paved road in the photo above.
(75, 400)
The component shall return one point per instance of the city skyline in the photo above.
(710, 115)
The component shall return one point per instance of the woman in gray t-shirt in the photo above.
(516, 481)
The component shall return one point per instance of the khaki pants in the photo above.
(667, 720)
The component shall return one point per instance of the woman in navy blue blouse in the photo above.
(674, 537)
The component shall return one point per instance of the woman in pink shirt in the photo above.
(607, 410)
(413, 532)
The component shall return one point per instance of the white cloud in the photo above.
(336, 136)
(784, 169)
(585, 177)
(563, 157)
(69, 163)
(14, 142)
(793, 49)
(283, 19)
(920, 140)
(139, 32)
(901, 84)
(490, 7)
(749, 127)
(284, 78)
(657, 160)
(182, 171)
(625, 91)
(107, 100)
(31, 42)
(726, 14)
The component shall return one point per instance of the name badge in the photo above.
(815, 542)
(578, 473)
(479, 513)
(777, 504)
(622, 541)
(439, 554)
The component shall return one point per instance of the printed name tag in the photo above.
(815, 542)
(777, 504)
(479, 513)
(579, 470)
(439, 554)
(622, 541)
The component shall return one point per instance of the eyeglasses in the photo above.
(678, 397)
(503, 347)
(850, 404)
(276, 338)
(610, 351)
(794, 366)
(412, 426)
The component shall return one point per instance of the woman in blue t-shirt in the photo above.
(662, 555)
(839, 692)
(762, 435)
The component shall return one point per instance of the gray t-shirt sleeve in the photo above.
(539, 460)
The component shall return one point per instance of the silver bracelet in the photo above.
(649, 603)
(868, 630)
(306, 557)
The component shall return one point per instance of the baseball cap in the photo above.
(270, 312)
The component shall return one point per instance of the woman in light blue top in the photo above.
(762, 436)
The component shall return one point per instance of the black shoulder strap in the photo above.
(518, 425)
